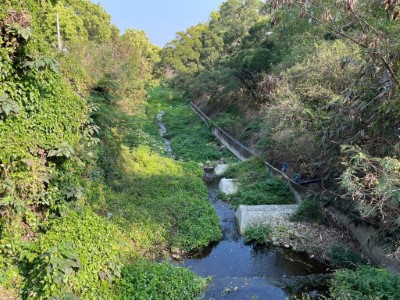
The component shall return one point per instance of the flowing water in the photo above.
(242, 271)
(163, 131)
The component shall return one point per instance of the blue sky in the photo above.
(160, 19)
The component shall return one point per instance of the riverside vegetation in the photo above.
(314, 84)
(88, 198)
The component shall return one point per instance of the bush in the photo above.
(259, 233)
(190, 137)
(146, 280)
(346, 258)
(365, 283)
(80, 255)
(308, 211)
(257, 184)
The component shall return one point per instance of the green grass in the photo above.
(191, 139)
(259, 233)
(159, 202)
(309, 210)
(146, 280)
(137, 203)
(155, 202)
(257, 185)
(365, 283)
(345, 258)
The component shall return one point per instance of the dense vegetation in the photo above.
(190, 138)
(314, 84)
(257, 186)
(88, 198)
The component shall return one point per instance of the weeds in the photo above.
(191, 140)
(257, 185)
(365, 283)
(146, 280)
(259, 233)
(345, 258)
(155, 200)
(309, 210)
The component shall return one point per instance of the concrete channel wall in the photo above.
(363, 233)
(242, 152)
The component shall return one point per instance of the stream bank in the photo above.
(249, 271)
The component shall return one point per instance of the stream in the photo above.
(247, 271)
(163, 131)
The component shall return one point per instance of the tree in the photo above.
(234, 19)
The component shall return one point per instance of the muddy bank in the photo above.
(316, 240)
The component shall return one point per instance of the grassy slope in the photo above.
(152, 202)
(190, 139)
(157, 201)
(257, 185)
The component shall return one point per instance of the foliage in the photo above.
(79, 254)
(161, 202)
(121, 69)
(309, 210)
(41, 120)
(157, 201)
(190, 138)
(345, 258)
(321, 75)
(365, 283)
(146, 280)
(373, 184)
(259, 233)
(257, 185)
(51, 162)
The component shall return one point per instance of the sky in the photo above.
(160, 19)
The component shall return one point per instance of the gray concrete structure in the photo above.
(243, 152)
(261, 214)
(228, 186)
(220, 169)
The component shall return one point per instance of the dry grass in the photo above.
(6, 294)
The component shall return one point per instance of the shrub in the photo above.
(190, 137)
(365, 283)
(146, 280)
(373, 184)
(346, 258)
(309, 210)
(258, 185)
(259, 233)
(80, 255)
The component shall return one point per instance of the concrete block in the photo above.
(228, 186)
(221, 169)
(261, 214)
